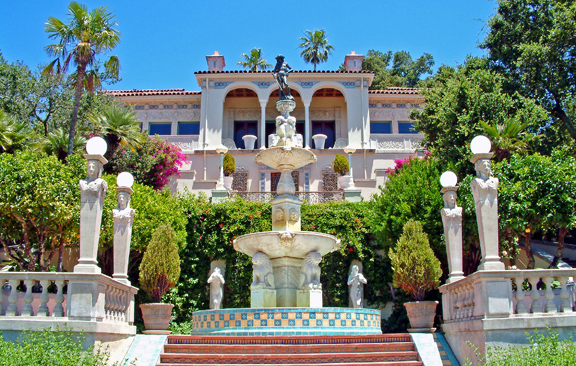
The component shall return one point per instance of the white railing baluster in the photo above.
(566, 306)
(549, 295)
(27, 310)
(12, 298)
(58, 310)
(520, 306)
(43, 309)
(536, 307)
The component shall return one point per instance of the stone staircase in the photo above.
(341, 350)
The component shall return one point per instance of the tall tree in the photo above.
(534, 43)
(254, 60)
(89, 34)
(397, 69)
(316, 48)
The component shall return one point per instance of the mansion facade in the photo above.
(235, 104)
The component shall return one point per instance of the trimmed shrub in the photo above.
(341, 165)
(416, 268)
(229, 164)
(160, 267)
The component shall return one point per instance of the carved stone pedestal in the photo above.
(262, 298)
(286, 213)
(309, 298)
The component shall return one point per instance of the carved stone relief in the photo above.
(187, 115)
(247, 115)
(322, 114)
(329, 179)
(240, 182)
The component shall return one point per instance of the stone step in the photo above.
(288, 349)
(391, 363)
(289, 340)
(299, 359)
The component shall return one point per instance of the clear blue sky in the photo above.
(165, 42)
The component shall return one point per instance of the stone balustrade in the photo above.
(30, 295)
(309, 197)
(487, 294)
(395, 142)
(188, 143)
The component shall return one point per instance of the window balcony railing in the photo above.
(395, 142)
(187, 143)
(307, 197)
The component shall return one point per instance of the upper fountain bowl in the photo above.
(287, 157)
(295, 244)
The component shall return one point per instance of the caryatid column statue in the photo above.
(123, 217)
(452, 220)
(485, 191)
(92, 193)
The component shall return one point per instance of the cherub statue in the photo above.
(285, 129)
(216, 281)
(356, 282)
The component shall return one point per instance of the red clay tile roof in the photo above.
(293, 72)
(150, 92)
(395, 90)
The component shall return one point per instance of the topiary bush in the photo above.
(416, 268)
(341, 165)
(160, 267)
(229, 164)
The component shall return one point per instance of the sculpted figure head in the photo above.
(293, 215)
(279, 214)
(483, 168)
(450, 199)
(354, 271)
(123, 200)
(93, 169)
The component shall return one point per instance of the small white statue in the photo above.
(262, 276)
(356, 282)
(285, 129)
(216, 281)
(310, 272)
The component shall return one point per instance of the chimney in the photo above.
(353, 62)
(215, 62)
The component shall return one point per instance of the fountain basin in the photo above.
(282, 157)
(294, 244)
(286, 322)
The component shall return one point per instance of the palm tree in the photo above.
(88, 34)
(13, 135)
(56, 143)
(316, 47)
(118, 125)
(254, 60)
(509, 138)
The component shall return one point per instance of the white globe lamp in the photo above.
(448, 179)
(480, 145)
(125, 179)
(96, 146)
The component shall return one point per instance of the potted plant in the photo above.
(416, 271)
(229, 169)
(159, 272)
(341, 167)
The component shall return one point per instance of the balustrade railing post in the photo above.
(12, 310)
(565, 296)
(549, 295)
(520, 306)
(43, 310)
(58, 310)
(536, 307)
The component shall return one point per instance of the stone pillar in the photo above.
(92, 194)
(307, 125)
(123, 217)
(262, 135)
(452, 220)
(485, 191)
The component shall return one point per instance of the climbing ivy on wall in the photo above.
(212, 229)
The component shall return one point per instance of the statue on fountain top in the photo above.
(280, 73)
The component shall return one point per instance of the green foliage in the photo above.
(316, 48)
(398, 69)
(39, 211)
(152, 210)
(45, 347)
(254, 61)
(229, 164)
(545, 349)
(533, 43)
(13, 135)
(416, 268)
(340, 164)
(412, 193)
(212, 229)
(160, 267)
(460, 100)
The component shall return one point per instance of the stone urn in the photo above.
(156, 317)
(228, 182)
(319, 140)
(344, 181)
(421, 315)
(249, 141)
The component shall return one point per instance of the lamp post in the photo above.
(452, 221)
(92, 193)
(350, 150)
(221, 150)
(123, 217)
(485, 191)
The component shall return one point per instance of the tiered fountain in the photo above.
(286, 292)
